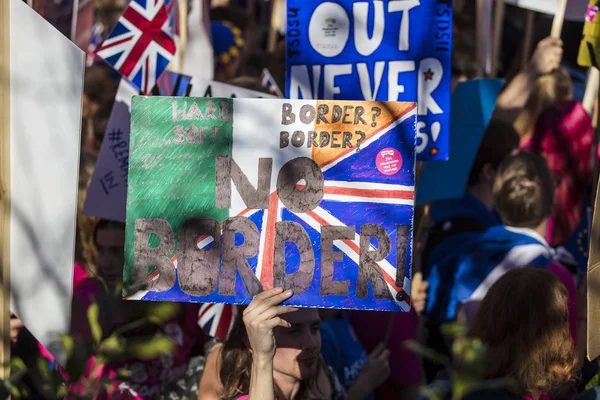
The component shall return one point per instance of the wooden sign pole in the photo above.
(498, 30)
(559, 19)
(276, 13)
(591, 90)
(74, 17)
(183, 32)
(5, 188)
(528, 39)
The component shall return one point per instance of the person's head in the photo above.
(98, 88)
(297, 356)
(523, 191)
(464, 65)
(565, 137)
(101, 119)
(109, 238)
(85, 250)
(499, 141)
(523, 320)
(228, 45)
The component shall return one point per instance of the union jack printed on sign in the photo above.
(141, 45)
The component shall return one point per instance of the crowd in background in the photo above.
(497, 260)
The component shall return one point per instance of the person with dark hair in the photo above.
(524, 322)
(148, 376)
(523, 194)
(272, 352)
(455, 224)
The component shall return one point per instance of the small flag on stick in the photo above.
(141, 45)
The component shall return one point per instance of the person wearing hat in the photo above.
(227, 48)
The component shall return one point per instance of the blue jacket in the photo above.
(458, 223)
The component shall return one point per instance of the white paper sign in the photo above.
(575, 8)
(46, 86)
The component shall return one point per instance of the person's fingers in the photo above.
(385, 355)
(378, 349)
(275, 311)
(262, 296)
(268, 302)
(556, 57)
(550, 41)
(424, 286)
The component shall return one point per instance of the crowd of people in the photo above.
(496, 261)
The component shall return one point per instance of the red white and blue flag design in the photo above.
(356, 192)
(216, 320)
(142, 44)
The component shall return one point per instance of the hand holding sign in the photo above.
(547, 56)
(261, 317)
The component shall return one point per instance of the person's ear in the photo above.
(487, 174)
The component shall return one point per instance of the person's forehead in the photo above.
(303, 316)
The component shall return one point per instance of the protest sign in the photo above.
(575, 8)
(44, 86)
(593, 283)
(108, 188)
(380, 50)
(321, 201)
(473, 103)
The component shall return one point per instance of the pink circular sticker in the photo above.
(389, 161)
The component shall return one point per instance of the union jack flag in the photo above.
(269, 83)
(141, 45)
(95, 42)
(216, 320)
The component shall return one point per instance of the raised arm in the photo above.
(545, 59)
(260, 318)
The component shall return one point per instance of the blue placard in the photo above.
(473, 104)
(388, 50)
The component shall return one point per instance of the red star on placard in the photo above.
(428, 74)
(434, 151)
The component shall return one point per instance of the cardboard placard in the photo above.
(593, 286)
(107, 193)
(46, 86)
(575, 8)
(381, 50)
(244, 195)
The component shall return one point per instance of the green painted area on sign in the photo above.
(174, 143)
